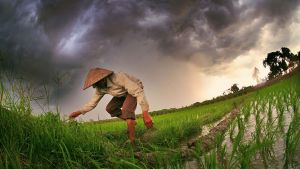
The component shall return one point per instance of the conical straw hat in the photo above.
(95, 75)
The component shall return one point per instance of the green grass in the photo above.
(45, 141)
(171, 128)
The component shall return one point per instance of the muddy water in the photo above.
(279, 145)
(277, 160)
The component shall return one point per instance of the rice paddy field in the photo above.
(265, 134)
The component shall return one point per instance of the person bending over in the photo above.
(126, 90)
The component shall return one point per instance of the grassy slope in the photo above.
(47, 142)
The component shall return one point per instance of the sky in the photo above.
(184, 51)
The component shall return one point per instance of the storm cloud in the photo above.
(39, 39)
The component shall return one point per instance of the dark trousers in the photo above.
(122, 107)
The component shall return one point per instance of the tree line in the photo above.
(279, 62)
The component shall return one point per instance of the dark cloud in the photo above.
(58, 17)
(40, 38)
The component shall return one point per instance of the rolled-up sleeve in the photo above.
(135, 88)
(92, 103)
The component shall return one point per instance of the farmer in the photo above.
(127, 92)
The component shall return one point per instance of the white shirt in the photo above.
(119, 84)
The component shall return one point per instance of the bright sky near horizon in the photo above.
(183, 51)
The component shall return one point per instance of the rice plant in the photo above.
(268, 112)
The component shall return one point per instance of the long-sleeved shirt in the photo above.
(119, 84)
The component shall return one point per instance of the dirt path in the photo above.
(207, 141)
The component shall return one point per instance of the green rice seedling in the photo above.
(221, 151)
(263, 105)
(248, 149)
(270, 141)
(247, 153)
(258, 126)
(295, 104)
(209, 160)
(265, 133)
(286, 97)
(269, 114)
(232, 130)
(292, 136)
(292, 140)
(237, 140)
(267, 150)
(281, 117)
(246, 109)
(269, 134)
(216, 158)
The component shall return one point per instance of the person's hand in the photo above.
(74, 114)
(147, 120)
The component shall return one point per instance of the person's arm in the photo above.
(90, 105)
(97, 96)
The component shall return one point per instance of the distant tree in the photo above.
(226, 92)
(245, 88)
(234, 88)
(280, 61)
